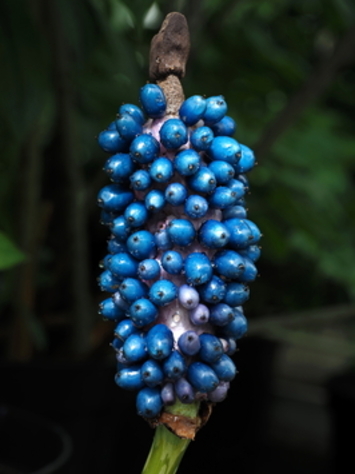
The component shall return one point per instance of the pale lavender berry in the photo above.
(188, 297)
(200, 315)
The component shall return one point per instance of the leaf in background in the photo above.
(10, 255)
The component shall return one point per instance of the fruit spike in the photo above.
(182, 250)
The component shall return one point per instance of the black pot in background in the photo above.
(108, 435)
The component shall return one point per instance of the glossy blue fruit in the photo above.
(108, 282)
(237, 327)
(199, 315)
(120, 229)
(203, 181)
(168, 394)
(247, 160)
(174, 366)
(173, 134)
(161, 170)
(134, 348)
(144, 149)
(120, 302)
(198, 268)
(252, 251)
(134, 111)
(152, 373)
(192, 109)
(155, 200)
(213, 291)
(136, 214)
(202, 377)
(214, 234)
(181, 232)
(143, 312)
(250, 271)
(196, 206)
(222, 197)
(224, 368)
(237, 186)
(141, 245)
(187, 162)
(149, 403)
(240, 233)
(128, 127)
(172, 262)
(255, 231)
(123, 265)
(111, 141)
(222, 170)
(188, 297)
(216, 109)
(124, 329)
(229, 264)
(201, 138)
(225, 149)
(140, 180)
(132, 289)
(189, 343)
(236, 294)
(149, 269)
(184, 391)
(130, 378)
(163, 240)
(235, 211)
(114, 198)
(119, 167)
(162, 292)
(160, 341)
(221, 314)
(109, 310)
(153, 100)
(225, 127)
(211, 348)
(176, 194)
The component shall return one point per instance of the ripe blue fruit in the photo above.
(128, 127)
(111, 141)
(160, 341)
(163, 240)
(134, 348)
(172, 262)
(132, 289)
(222, 170)
(129, 378)
(224, 368)
(192, 109)
(184, 390)
(161, 170)
(174, 366)
(216, 109)
(114, 198)
(120, 228)
(134, 111)
(152, 373)
(181, 232)
(240, 233)
(250, 271)
(225, 149)
(136, 214)
(198, 268)
(123, 265)
(175, 194)
(201, 138)
(141, 245)
(211, 348)
(109, 310)
(225, 127)
(222, 197)
(162, 292)
(149, 403)
(229, 264)
(187, 162)
(221, 314)
(140, 180)
(196, 206)
(237, 327)
(108, 282)
(143, 312)
(219, 393)
(119, 167)
(236, 294)
(202, 377)
(213, 291)
(214, 234)
(173, 134)
(154, 200)
(235, 211)
(247, 160)
(189, 343)
(148, 269)
(144, 149)
(252, 251)
(153, 100)
(203, 181)
(124, 329)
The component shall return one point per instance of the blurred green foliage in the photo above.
(258, 54)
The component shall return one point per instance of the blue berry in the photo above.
(130, 378)
(222, 170)
(252, 251)
(235, 211)
(168, 394)
(161, 170)
(149, 403)
(249, 273)
(176, 194)
(187, 162)
(119, 167)
(213, 291)
(214, 234)
(189, 343)
(154, 200)
(202, 377)
(216, 109)
(144, 149)
(134, 111)
(225, 149)
(162, 292)
(181, 232)
(222, 197)
(174, 366)
(192, 109)
(123, 265)
(173, 134)
(143, 312)
(152, 373)
(240, 233)
(120, 302)
(140, 180)
(153, 100)
(236, 294)
(124, 329)
(229, 264)
(134, 348)
(225, 127)
(132, 289)
(237, 327)
(221, 314)
(211, 348)
(201, 138)
(247, 160)
(203, 181)
(109, 310)
(108, 282)
(237, 186)
(172, 262)
(141, 245)
(128, 127)
(111, 141)
(136, 214)
(198, 268)
(224, 368)
(149, 269)
(114, 197)
(160, 341)
(184, 391)
(163, 240)
(120, 229)
(196, 206)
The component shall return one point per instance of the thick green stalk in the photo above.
(166, 452)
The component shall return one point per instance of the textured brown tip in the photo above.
(170, 48)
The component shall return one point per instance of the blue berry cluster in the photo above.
(181, 251)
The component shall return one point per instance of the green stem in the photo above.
(166, 452)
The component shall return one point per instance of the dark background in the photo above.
(287, 71)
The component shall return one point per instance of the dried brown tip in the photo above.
(170, 48)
